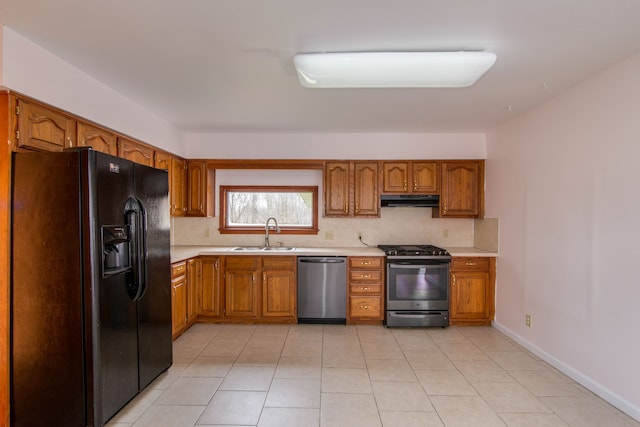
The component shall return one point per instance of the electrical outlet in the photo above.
(359, 235)
(527, 320)
(328, 235)
(207, 232)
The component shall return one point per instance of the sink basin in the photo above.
(264, 248)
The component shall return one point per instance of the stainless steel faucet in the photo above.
(266, 230)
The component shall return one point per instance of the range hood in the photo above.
(409, 200)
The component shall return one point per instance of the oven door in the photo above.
(418, 285)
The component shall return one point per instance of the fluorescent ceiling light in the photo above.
(392, 69)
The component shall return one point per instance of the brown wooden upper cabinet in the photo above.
(200, 185)
(43, 128)
(98, 138)
(162, 160)
(135, 151)
(178, 193)
(461, 189)
(410, 177)
(351, 189)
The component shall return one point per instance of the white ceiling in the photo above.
(227, 65)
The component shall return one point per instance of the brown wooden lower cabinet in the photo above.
(260, 289)
(233, 289)
(365, 301)
(178, 298)
(472, 299)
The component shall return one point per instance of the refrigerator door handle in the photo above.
(141, 248)
(136, 221)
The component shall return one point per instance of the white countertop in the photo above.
(179, 253)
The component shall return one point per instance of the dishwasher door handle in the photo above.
(322, 260)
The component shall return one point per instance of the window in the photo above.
(245, 209)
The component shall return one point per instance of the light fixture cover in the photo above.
(392, 69)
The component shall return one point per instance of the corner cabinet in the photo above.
(178, 298)
(178, 193)
(200, 185)
(351, 189)
(472, 299)
(365, 290)
(461, 189)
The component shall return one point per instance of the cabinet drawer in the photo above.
(374, 288)
(279, 262)
(368, 306)
(178, 269)
(242, 262)
(365, 275)
(365, 262)
(470, 263)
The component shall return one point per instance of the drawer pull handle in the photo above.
(365, 307)
(470, 263)
(366, 289)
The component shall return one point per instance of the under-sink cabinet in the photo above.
(472, 298)
(260, 289)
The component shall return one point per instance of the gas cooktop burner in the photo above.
(414, 251)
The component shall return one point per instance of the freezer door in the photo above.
(47, 341)
(154, 305)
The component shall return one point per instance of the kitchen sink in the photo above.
(264, 248)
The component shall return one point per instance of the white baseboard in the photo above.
(606, 394)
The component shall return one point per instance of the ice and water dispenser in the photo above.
(115, 249)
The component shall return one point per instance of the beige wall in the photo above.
(563, 179)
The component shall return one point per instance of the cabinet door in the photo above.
(470, 295)
(278, 294)
(336, 189)
(210, 286)
(42, 128)
(179, 305)
(425, 177)
(241, 298)
(194, 282)
(366, 195)
(395, 177)
(97, 138)
(178, 186)
(461, 189)
(162, 160)
(135, 151)
(196, 188)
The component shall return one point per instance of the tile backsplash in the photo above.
(395, 226)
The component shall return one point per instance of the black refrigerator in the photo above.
(90, 285)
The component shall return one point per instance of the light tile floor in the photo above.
(335, 375)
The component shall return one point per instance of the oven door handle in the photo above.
(416, 314)
(413, 266)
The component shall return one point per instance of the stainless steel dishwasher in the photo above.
(322, 289)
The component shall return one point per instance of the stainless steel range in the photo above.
(417, 285)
